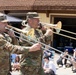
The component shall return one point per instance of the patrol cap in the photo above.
(32, 15)
(3, 18)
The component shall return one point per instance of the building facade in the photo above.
(50, 11)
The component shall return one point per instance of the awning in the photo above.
(13, 19)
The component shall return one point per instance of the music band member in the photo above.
(34, 31)
(7, 47)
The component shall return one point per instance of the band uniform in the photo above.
(32, 62)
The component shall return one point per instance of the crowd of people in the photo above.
(64, 57)
(34, 59)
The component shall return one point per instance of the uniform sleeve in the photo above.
(5, 45)
(16, 49)
(45, 39)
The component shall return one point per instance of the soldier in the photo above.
(6, 47)
(33, 61)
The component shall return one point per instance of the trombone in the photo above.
(58, 27)
(19, 31)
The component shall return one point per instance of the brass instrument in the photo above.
(57, 26)
(30, 33)
(21, 31)
(14, 28)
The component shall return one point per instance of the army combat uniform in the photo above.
(5, 49)
(32, 63)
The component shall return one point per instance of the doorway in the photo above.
(67, 24)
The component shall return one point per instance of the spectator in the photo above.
(74, 60)
(49, 67)
(16, 64)
(64, 56)
(48, 53)
(13, 56)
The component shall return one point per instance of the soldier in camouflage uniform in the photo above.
(6, 47)
(32, 63)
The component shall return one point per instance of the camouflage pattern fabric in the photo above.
(5, 48)
(32, 63)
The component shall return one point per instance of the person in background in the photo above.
(48, 52)
(63, 59)
(12, 57)
(16, 64)
(74, 61)
(49, 67)
(6, 47)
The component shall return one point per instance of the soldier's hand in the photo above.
(35, 47)
(11, 33)
(49, 32)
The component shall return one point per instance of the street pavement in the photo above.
(60, 71)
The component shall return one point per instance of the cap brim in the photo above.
(36, 17)
(4, 21)
(33, 17)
